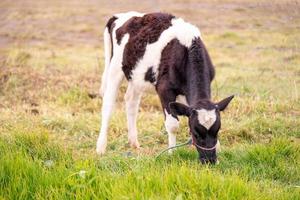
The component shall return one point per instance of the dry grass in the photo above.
(52, 60)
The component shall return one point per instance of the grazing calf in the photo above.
(161, 51)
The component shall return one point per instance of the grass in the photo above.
(250, 172)
(51, 60)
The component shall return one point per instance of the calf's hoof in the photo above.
(100, 151)
(134, 144)
(101, 147)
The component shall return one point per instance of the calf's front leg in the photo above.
(172, 125)
(171, 122)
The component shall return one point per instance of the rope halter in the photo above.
(203, 148)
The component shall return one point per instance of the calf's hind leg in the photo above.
(115, 76)
(132, 100)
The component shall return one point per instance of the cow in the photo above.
(158, 50)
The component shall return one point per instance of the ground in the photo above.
(51, 60)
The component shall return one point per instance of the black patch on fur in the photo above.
(171, 80)
(200, 72)
(142, 31)
(150, 75)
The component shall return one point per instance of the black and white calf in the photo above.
(162, 51)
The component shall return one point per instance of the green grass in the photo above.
(249, 172)
(51, 60)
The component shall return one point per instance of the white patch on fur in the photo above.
(185, 32)
(123, 17)
(171, 124)
(207, 117)
(181, 30)
(181, 99)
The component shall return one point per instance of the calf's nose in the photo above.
(209, 161)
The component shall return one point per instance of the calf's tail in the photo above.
(108, 53)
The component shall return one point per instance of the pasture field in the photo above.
(51, 61)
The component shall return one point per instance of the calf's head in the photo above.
(204, 124)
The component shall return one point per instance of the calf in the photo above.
(162, 51)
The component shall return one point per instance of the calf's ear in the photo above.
(179, 109)
(224, 103)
